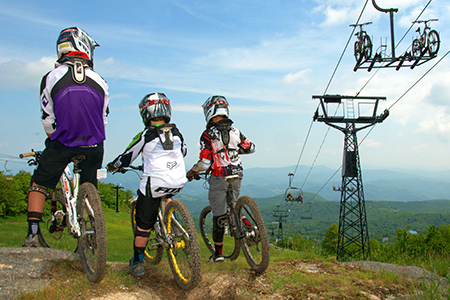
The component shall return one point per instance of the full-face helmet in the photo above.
(74, 39)
(215, 106)
(155, 105)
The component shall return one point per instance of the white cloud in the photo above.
(300, 76)
(24, 75)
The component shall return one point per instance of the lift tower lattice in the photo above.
(281, 216)
(356, 113)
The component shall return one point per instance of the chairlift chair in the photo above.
(293, 194)
(8, 173)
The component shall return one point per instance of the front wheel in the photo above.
(367, 42)
(154, 251)
(433, 42)
(231, 248)
(184, 250)
(92, 242)
(255, 242)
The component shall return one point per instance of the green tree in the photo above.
(14, 191)
(330, 240)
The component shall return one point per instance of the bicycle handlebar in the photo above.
(425, 21)
(30, 154)
(123, 170)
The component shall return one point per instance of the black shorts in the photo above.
(146, 211)
(55, 158)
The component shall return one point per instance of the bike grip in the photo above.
(29, 154)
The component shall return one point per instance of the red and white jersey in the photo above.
(222, 159)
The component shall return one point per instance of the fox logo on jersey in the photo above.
(171, 164)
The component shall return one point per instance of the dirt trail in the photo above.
(24, 269)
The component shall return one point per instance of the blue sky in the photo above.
(267, 57)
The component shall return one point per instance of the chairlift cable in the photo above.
(303, 147)
(418, 80)
(412, 24)
(326, 89)
(408, 90)
(345, 48)
(371, 129)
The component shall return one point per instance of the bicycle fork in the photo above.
(71, 201)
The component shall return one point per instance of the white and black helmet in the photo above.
(215, 106)
(74, 39)
(155, 105)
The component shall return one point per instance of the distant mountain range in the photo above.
(386, 185)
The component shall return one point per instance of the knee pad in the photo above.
(39, 189)
(218, 229)
(34, 215)
(144, 234)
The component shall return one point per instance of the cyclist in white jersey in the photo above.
(162, 148)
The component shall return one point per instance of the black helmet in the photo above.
(153, 106)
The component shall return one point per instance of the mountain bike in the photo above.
(174, 231)
(74, 219)
(244, 223)
(428, 41)
(363, 46)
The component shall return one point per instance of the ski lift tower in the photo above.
(281, 216)
(351, 115)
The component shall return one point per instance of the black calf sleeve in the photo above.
(144, 234)
(218, 230)
(34, 215)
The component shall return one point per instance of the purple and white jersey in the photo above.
(73, 113)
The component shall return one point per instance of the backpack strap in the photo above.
(166, 136)
(224, 127)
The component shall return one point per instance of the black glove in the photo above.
(192, 175)
(111, 168)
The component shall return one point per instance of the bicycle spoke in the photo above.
(55, 232)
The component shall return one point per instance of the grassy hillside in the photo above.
(291, 274)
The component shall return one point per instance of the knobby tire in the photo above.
(255, 244)
(153, 252)
(92, 243)
(184, 253)
(230, 252)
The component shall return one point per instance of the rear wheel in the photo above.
(153, 252)
(416, 48)
(255, 243)
(231, 247)
(55, 230)
(92, 243)
(184, 251)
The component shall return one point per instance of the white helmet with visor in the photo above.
(74, 39)
(215, 106)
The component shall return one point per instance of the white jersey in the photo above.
(162, 149)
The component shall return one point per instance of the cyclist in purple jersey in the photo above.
(74, 105)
